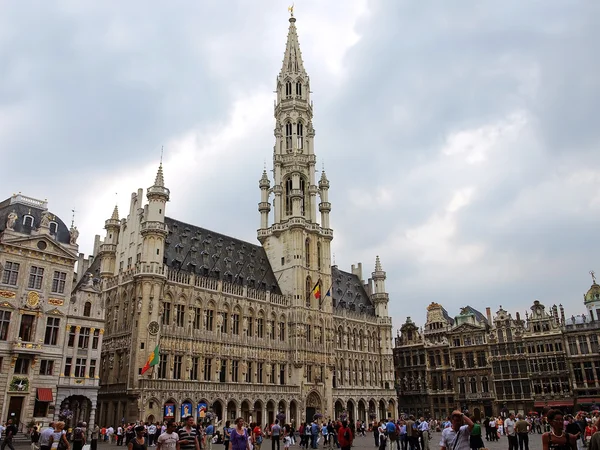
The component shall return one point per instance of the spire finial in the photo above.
(160, 179)
(377, 264)
(593, 274)
(291, 10)
(115, 214)
(73, 217)
(162, 148)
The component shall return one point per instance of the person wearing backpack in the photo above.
(345, 436)
(78, 437)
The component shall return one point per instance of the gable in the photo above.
(467, 327)
(40, 243)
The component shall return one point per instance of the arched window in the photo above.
(288, 196)
(501, 336)
(462, 386)
(318, 256)
(27, 220)
(303, 200)
(298, 88)
(87, 309)
(485, 387)
(307, 253)
(288, 135)
(300, 135)
(288, 89)
(509, 335)
(308, 291)
(53, 227)
(473, 385)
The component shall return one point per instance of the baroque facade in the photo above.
(38, 253)
(496, 365)
(244, 329)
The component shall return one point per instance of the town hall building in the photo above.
(243, 329)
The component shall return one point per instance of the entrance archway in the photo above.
(372, 410)
(80, 406)
(217, 408)
(362, 411)
(281, 413)
(351, 414)
(339, 408)
(270, 412)
(231, 410)
(294, 413)
(313, 405)
(258, 412)
(382, 410)
(246, 411)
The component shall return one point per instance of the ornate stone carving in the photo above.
(74, 235)
(11, 220)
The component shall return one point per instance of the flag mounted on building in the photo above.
(317, 291)
(328, 292)
(153, 360)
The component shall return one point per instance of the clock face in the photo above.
(153, 327)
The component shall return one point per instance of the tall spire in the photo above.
(160, 179)
(115, 214)
(292, 58)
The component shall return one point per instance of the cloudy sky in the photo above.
(461, 139)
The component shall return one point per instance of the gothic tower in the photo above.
(297, 246)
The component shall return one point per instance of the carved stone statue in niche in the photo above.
(269, 328)
(111, 361)
(11, 220)
(245, 324)
(45, 220)
(244, 367)
(318, 333)
(219, 320)
(150, 305)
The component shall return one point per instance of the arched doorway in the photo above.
(281, 414)
(294, 413)
(362, 411)
(270, 412)
(231, 410)
(246, 411)
(350, 409)
(476, 414)
(217, 408)
(313, 405)
(382, 412)
(80, 408)
(391, 409)
(151, 418)
(372, 410)
(339, 408)
(258, 412)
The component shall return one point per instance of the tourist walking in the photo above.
(557, 438)
(58, 439)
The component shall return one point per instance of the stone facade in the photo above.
(37, 257)
(492, 366)
(243, 329)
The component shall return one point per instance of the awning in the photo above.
(582, 400)
(553, 403)
(44, 395)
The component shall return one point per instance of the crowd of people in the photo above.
(458, 432)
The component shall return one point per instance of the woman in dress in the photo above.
(239, 436)
(557, 438)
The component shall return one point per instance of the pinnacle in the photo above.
(292, 58)
(160, 180)
(378, 264)
(115, 214)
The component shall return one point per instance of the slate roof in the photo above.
(348, 292)
(204, 252)
(480, 317)
(94, 270)
(63, 235)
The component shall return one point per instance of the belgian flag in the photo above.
(153, 360)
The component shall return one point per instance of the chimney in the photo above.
(488, 313)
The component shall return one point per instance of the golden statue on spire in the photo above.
(291, 10)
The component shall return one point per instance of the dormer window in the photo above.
(53, 227)
(28, 220)
(87, 309)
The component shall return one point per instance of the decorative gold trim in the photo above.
(7, 294)
(56, 301)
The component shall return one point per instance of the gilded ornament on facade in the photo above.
(33, 299)
(56, 301)
(7, 294)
